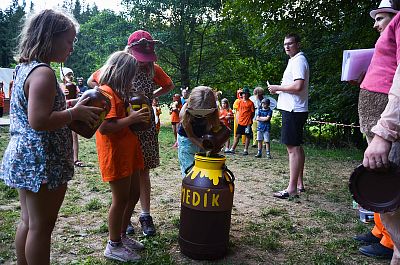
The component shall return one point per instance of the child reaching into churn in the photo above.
(38, 160)
(120, 155)
(198, 117)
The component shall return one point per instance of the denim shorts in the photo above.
(186, 152)
(263, 136)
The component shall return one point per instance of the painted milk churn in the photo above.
(206, 206)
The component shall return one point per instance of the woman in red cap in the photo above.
(153, 82)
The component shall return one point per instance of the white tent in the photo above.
(6, 75)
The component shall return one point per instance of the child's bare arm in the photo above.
(41, 93)
(115, 125)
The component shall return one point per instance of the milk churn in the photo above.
(98, 98)
(206, 206)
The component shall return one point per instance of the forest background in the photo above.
(228, 45)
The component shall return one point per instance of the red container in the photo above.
(216, 139)
(98, 98)
(71, 87)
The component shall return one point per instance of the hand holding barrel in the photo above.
(87, 114)
(140, 116)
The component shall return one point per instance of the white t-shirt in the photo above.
(297, 68)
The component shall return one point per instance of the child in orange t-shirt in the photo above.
(119, 153)
(226, 116)
(174, 110)
(245, 116)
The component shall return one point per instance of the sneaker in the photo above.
(131, 243)
(226, 151)
(130, 230)
(258, 155)
(377, 250)
(245, 153)
(120, 253)
(147, 225)
(230, 151)
(367, 238)
(175, 145)
(254, 145)
(269, 156)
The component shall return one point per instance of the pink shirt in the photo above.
(388, 126)
(379, 76)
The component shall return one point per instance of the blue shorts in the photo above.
(186, 152)
(263, 136)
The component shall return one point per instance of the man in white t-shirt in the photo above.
(293, 104)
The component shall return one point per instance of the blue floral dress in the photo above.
(33, 158)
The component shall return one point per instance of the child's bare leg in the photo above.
(133, 199)
(236, 141)
(22, 229)
(247, 143)
(42, 208)
(120, 190)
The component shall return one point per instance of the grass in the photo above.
(315, 229)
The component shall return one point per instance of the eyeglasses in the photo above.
(201, 113)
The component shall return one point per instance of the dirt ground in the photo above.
(317, 228)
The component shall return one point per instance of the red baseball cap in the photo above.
(141, 44)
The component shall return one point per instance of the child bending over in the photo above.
(199, 116)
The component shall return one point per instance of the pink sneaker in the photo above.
(175, 145)
(120, 253)
(131, 243)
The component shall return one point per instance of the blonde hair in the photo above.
(36, 38)
(118, 73)
(201, 97)
(148, 67)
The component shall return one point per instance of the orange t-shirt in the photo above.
(119, 153)
(222, 116)
(2, 96)
(246, 112)
(160, 77)
(175, 113)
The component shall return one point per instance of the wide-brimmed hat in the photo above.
(245, 90)
(384, 7)
(142, 46)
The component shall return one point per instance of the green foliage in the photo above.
(227, 45)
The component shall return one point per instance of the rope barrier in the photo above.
(333, 123)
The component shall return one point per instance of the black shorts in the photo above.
(241, 130)
(292, 127)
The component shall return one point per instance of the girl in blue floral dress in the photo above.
(38, 160)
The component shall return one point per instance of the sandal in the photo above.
(79, 163)
(301, 190)
(284, 194)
